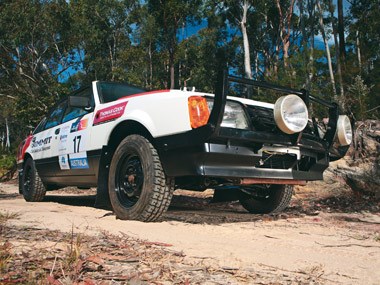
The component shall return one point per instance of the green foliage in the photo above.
(35, 48)
(359, 92)
(7, 163)
(48, 48)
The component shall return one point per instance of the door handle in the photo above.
(57, 131)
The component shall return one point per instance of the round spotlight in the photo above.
(290, 114)
(344, 130)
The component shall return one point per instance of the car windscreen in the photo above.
(109, 91)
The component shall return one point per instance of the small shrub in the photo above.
(7, 165)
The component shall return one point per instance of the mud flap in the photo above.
(102, 197)
(21, 172)
(226, 195)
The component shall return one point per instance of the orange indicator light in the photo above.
(198, 111)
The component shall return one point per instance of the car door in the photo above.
(44, 143)
(75, 165)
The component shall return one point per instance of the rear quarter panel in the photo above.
(160, 113)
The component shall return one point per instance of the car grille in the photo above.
(262, 119)
(277, 161)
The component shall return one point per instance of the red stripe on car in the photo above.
(22, 148)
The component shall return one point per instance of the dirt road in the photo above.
(319, 244)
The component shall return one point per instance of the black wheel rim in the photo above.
(28, 178)
(129, 180)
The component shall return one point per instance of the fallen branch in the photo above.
(346, 245)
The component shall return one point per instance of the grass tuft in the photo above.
(5, 216)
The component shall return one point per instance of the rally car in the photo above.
(138, 146)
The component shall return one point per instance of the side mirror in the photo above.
(79, 102)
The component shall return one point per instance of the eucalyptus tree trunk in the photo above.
(284, 28)
(150, 85)
(7, 142)
(247, 56)
(311, 7)
(358, 51)
(342, 44)
(171, 70)
(337, 54)
(328, 55)
(303, 38)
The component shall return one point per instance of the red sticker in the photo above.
(83, 124)
(110, 113)
(22, 148)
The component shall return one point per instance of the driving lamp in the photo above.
(344, 130)
(290, 114)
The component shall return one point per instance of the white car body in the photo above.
(200, 140)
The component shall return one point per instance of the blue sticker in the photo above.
(74, 127)
(79, 163)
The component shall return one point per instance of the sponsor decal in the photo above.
(64, 162)
(41, 142)
(110, 113)
(38, 145)
(79, 126)
(78, 161)
(45, 148)
(63, 140)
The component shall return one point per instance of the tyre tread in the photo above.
(161, 193)
(37, 189)
(275, 204)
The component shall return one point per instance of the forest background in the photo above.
(49, 48)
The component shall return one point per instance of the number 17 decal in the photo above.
(76, 141)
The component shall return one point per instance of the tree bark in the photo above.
(171, 69)
(311, 7)
(328, 55)
(7, 142)
(358, 51)
(342, 44)
(150, 85)
(247, 56)
(284, 29)
(337, 54)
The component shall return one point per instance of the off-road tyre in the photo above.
(32, 187)
(137, 185)
(275, 200)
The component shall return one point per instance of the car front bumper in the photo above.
(233, 161)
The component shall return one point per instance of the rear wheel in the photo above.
(31, 185)
(266, 199)
(138, 186)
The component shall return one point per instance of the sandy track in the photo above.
(335, 247)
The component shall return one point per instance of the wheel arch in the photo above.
(126, 128)
(27, 155)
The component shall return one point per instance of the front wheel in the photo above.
(266, 199)
(138, 186)
(31, 185)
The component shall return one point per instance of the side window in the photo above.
(110, 91)
(55, 117)
(74, 112)
(40, 126)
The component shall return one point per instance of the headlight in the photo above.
(234, 115)
(344, 130)
(290, 114)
